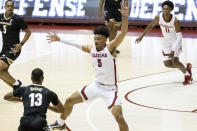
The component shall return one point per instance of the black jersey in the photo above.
(36, 99)
(112, 4)
(10, 28)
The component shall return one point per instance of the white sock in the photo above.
(16, 83)
(60, 122)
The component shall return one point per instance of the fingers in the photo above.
(51, 37)
(50, 41)
(137, 42)
(49, 34)
(125, 3)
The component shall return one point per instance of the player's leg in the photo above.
(60, 124)
(177, 64)
(185, 69)
(75, 98)
(7, 58)
(113, 102)
(83, 94)
(4, 74)
(168, 63)
(117, 113)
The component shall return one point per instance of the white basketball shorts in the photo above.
(94, 90)
(167, 50)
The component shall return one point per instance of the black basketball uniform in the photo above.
(10, 28)
(36, 99)
(112, 14)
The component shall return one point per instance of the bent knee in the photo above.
(69, 100)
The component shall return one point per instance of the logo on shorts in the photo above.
(12, 51)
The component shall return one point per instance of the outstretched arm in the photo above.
(117, 41)
(52, 37)
(148, 29)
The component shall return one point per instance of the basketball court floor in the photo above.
(153, 97)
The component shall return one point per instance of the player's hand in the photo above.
(99, 14)
(137, 41)
(52, 37)
(124, 11)
(17, 48)
(171, 54)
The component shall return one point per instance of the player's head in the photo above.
(101, 34)
(37, 76)
(9, 7)
(167, 6)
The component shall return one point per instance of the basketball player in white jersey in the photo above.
(171, 30)
(106, 78)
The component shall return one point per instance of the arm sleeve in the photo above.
(19, 92)
(54, 98)
(71, 43)
(178, 43)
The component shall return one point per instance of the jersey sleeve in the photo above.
(54, 98)
(19, 92)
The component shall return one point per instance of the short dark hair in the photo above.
(101, 30)
(9, 1)
(169, 3)
(36, 74)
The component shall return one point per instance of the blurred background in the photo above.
(84, 12)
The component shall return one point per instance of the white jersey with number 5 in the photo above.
(168, 29)
(105, 66)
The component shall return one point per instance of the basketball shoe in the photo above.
(189, 68)
(56, 126)
(188, 78)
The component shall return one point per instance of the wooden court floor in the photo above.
(152, 95)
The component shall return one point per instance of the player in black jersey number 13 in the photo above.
(36, 99)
